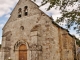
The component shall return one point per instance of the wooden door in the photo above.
(23, 52)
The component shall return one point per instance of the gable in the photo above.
(33, 9)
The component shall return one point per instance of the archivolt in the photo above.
(18, 43)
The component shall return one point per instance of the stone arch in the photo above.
(19, 12)
(26, 10)
(17, 47)
(18, 43)
(35, 28)
(7, 33)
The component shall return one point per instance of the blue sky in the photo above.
(6, 6)
(3, 19)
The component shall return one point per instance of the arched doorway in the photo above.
(22, 52)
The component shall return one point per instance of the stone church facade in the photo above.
(30, 34)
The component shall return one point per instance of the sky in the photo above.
(6, 7)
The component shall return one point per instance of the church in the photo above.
(30, 34)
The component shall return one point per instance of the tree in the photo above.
(72, 18)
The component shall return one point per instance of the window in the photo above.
(19, 12)
(22, 28)
(25, 10)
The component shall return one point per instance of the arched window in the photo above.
(19, 12)
(25, 10)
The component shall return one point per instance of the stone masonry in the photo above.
(44, 39)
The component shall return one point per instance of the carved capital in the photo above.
(35, 47)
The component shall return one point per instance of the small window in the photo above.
(22, 28)
(19, 12)
(25, 10)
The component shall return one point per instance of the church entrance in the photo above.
(22, 52)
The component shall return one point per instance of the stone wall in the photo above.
(44, 40)
(78, 56)
(0, 53)
(78, 53)
(68, 50)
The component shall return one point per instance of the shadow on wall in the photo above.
(0, 47)
(0, 51)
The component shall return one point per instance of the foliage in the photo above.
(78, 42)
(72, 18)
(61, 3)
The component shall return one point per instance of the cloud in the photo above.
(6, 5)
(0, 40)
(7, 16)
(38, 2)
(75, 7)
(52, 12)
(1, 25)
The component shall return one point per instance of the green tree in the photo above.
(71, 17)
